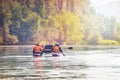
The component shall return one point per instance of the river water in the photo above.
(17, 63)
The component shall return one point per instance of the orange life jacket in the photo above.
(37, 48)
(56, 49)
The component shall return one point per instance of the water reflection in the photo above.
(46, 68)
(56, 62)
(42, 63)
(38, 63)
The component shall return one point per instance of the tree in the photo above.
(117, 32)
(1, 40)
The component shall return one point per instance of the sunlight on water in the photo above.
(17, 64)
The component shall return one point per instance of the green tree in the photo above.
(1, 40)
(117, 32)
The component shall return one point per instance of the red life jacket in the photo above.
(37, 48)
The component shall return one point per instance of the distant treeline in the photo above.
(72, 22)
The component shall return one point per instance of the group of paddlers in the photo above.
(39, 49)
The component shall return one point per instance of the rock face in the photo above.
(75, 6)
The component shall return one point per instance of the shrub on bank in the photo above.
(108, 42)
(1, 40)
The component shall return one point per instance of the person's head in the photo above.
(40, 43)
(56, 44)
(37, 43)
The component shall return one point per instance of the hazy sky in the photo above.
(107, 7)
(102, 2)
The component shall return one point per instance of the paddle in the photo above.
(63, 54)
(70, 48)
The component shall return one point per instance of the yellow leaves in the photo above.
(63, 26)
(14, 39)
(31, 16)
(117, 32)
(108, 42)
(69, 26)
(52, 22)
(93, 37)
(1, 40)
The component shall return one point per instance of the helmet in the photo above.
(56, 44)
(40, 43)
(37, 43)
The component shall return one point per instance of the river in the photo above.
(17, 63)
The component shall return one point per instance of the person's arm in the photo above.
(33, 49)
(61, 50)
(42, 47)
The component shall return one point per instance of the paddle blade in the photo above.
(70, 48)
(63, 54)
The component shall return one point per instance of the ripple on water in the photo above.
(76, 65)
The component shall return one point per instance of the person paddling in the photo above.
(37, 50)
(56, 50)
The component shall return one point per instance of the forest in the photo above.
(67, 22)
